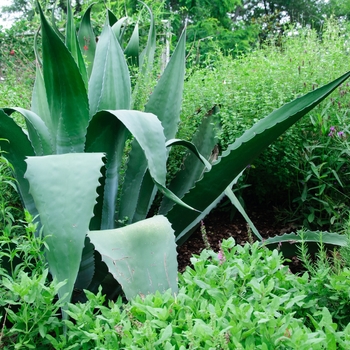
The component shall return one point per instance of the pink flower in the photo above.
(221, 256)
(86, 47)
(12, 52)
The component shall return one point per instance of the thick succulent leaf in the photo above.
(108, 135)
(165, 101)
(287, 242)
(189, 229)
(132, 49)
(141, 256)
(39, 103)
(64, 190)
(147, 55)
(87, 40)
(73, 44)
(16, 146)
(117, 28)
(112, 19)
(147, 131)
(234, 200)
(243, 151)
(38, 132)
(109, 84)
(66, 93)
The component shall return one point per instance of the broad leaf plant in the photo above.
(91, 197)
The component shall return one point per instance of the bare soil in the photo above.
(218, 226)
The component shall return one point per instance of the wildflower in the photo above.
(86, 47)
(221, 256)
(341, 133)
(12, 52)
(331, 131)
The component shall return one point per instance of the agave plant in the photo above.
(69, 160)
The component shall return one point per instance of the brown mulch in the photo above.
(218, 226)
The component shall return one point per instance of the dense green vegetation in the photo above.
(239, 297)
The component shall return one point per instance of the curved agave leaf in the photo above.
(73, 44)
(64, 190)
(147, 131)
(165, 103)
(234, 200)
(66, 93)
(117, 28)
(192, 168)
(287, 242)
(132, 49)
(147, 55)
(39, 134)
(109, 85)
(16, 146)
(112, 19)
(87, 39)
(243, 151)
(141, 256)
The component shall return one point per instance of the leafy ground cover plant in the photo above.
(240, 297)
(68, 161)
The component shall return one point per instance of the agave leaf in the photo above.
(147, 131)
(64, 190)
(243, 151)
(287, 242)
(234, 200)
(132, 49)
(141, 256)
(147, 55)
(192, 168)
(165, 103)
(73, 44)
(66, 93)
(87, 39)
(39, 103)
(109, 85)
(16, 146)
(38, 132)
(117, 28)
(112, 19)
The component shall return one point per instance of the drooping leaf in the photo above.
(38, 132)
(16, 147)
(234, 200)
(66, 92)
(109, 84)
(192, 168)
(64, 190)
(243, 151)
(87, 40)
(141, 256)
(287, 242)
(117, 28)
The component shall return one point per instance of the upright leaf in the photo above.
(109, 85)
(73, 44)
(165, 103)
(141, 256)
(66, 93)
(64, 191)
(243, 151)
(87, 40)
